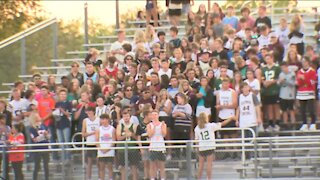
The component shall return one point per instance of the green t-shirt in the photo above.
(271, 74)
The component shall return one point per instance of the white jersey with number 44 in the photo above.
(206, 136)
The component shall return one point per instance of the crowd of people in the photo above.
(223, 71)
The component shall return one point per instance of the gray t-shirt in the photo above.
(218, 30)
(287, 88)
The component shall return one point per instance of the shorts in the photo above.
(157, 156)
(269, 100)
(229, 125)
(168, 120)
(286, 105)
(175, 12)
(106, 159)
(206, 153)
(201, 109)
(134, 157)
(91, 153)
(146, 155)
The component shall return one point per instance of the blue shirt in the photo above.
(233, 21)
(64, 122)
(38, 131)
(204, 94)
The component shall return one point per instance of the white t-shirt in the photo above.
(105, 135)
(255, 85)
(18, 107)
(118, 46)
(206, 136)
(263, 41)
(168, 72)
(92, 126)
(133, 119)
(226, 98)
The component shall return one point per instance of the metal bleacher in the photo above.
(77, 55)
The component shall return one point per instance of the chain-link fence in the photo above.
(251, 157)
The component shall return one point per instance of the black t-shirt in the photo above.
(221, 55)
(263, 21)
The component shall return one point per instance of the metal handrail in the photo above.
(27, 32)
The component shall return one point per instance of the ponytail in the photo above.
(202, 120)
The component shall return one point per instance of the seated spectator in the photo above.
(262, 20)
(90, 73)
(276, 48)
(111, 67)
(296, 35)
(230, 20)
(218, 26)
(231, 35)
(282, 32)
(178, 60)
(116, 47)
(175, 41)
(264, 37)
(164, 68)
(93, 57)
(245, 13)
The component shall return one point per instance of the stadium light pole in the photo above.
(86, 41)
(117, 15)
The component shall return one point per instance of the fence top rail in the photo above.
(27, 32)
(67, 60)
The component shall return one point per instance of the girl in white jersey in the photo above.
(89, 127)
(106, 134)
(157, 131)
(204, 132)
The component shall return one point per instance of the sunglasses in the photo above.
(128, 90)
(146, 92)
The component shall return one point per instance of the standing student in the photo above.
(226, 105)
(62, 119)
(248, 112)
(39, 134)
(4, 134)
(144, 137)
(204, 132)
(287, 93)
(270, 93)
(105, 135)
(157, 131)
(128, 131)
(89, 127)
(306, 85)
(16, 159)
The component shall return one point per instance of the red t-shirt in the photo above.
(18, 156)
(112, 73)
(45, 107)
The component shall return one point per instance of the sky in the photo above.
(104, 11)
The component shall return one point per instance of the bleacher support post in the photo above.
(189, 169)
(86, 40)
(23, 63)
(243, 153)
(270, 158)
(126, 161)
(4, 162)
(256, 174)
(55, 42)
